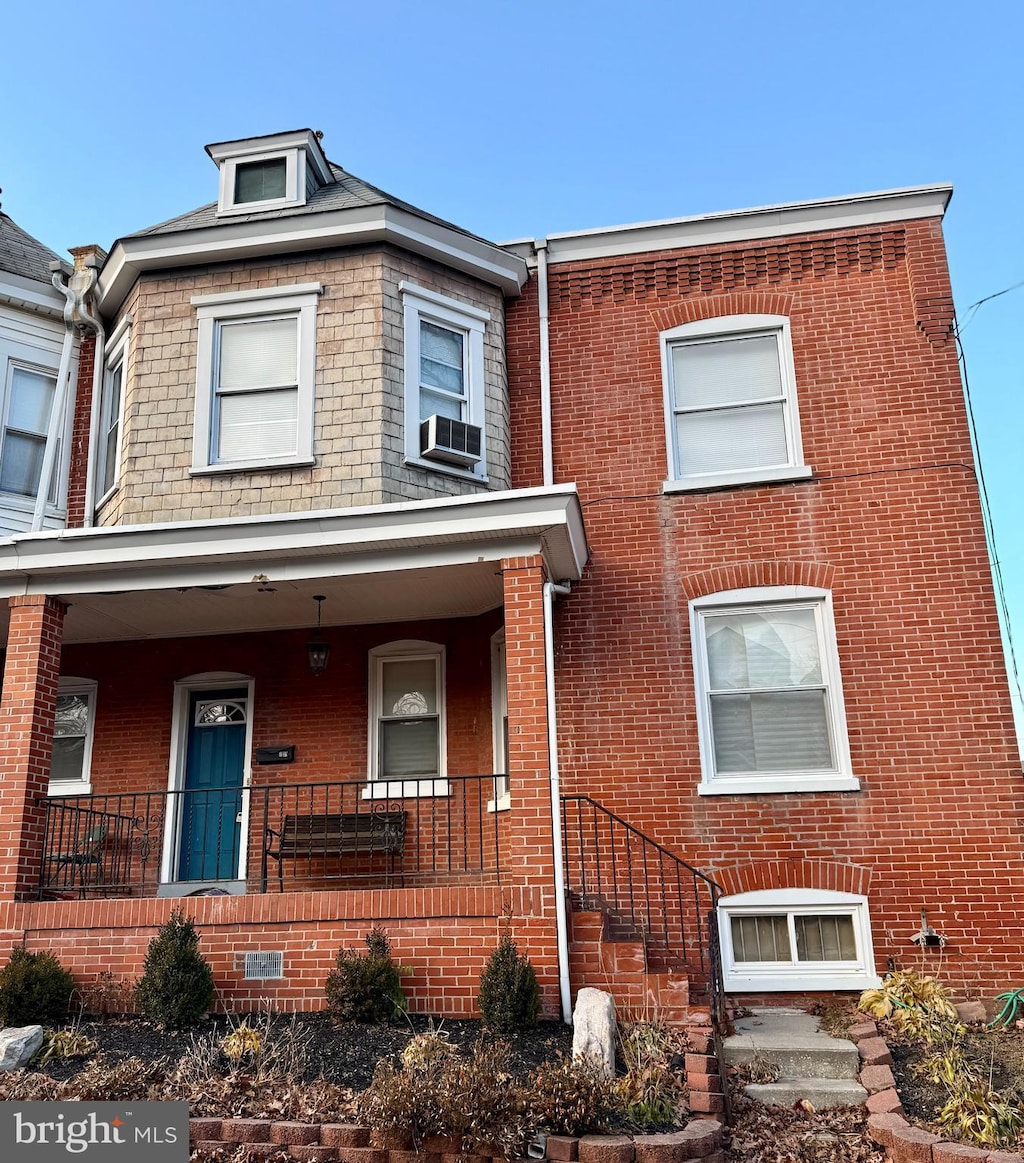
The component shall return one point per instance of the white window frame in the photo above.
(27, 359)
(116, 358)
(419, 304)
(502, 800)
(298, 302)
(797, 975)
(85, 687)
(838, 778)
(295, 182)
(405, 650)
(734, 327)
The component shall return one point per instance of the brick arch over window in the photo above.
(716, 306)
(743, 575)
(757, 875)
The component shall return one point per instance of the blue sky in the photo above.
(533, 117)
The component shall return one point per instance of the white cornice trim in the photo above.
(487, 525)
(842, 213)
(29, 295)
(230, 241)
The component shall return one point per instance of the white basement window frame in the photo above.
(465, 324)
(74, 728)
(789, 926)
(419, 705)
(731, 415)
(737, 674)
(281, 378)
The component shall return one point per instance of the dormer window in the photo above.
(261, 181)
(269, 173)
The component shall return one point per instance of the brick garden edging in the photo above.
(698, 1142)
(903, 1142)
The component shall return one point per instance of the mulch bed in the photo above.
(345, 1055)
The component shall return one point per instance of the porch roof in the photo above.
(412, 560)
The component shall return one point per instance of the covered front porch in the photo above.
(294, 703)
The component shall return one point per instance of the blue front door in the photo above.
(211, 802)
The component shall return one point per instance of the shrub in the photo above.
(176, 987)
(476, 1101)
(366, 987)
(107, 996)
(509, 997)
(917, 1005)
(572, 1096)
(35, 989)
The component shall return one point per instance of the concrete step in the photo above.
(820, 1092)
(792, 1041)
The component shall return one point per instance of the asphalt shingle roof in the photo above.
(21, 254)
(347, 192)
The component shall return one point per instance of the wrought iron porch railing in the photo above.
(360, 833)
(642, 886)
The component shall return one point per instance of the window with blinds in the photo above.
(769, 694)
(30, 396)
(730, 397)
(255, 373)
(729, 404)
(407, 741)
(257, 389)
(796, 939)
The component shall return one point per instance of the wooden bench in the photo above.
(310, 837)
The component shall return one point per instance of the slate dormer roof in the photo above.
(346, 192)
(23, 255)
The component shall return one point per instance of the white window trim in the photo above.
(502, 800)
(295, 182)
(406, 650)
(797, 975)
(726, 327)
(79, 787)
(27, 358)
(839, 779)
(116, 356)
(299, 301)
(421, 303)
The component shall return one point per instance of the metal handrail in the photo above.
(613, 866)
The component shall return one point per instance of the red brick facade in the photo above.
(889, 523)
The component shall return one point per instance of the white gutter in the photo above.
(561, 915)
(61, 395)
(547, 451)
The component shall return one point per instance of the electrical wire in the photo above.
(986, 510)
(972, 310)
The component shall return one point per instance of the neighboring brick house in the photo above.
(390, 546)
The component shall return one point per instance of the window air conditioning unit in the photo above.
(451, 441)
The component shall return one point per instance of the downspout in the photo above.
(547, 454)
(561, 914)
(61, 394)
(90, 264)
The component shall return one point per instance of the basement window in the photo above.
(796, 939)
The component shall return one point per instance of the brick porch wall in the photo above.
(444, 935)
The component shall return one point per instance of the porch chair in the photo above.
(87, 854)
